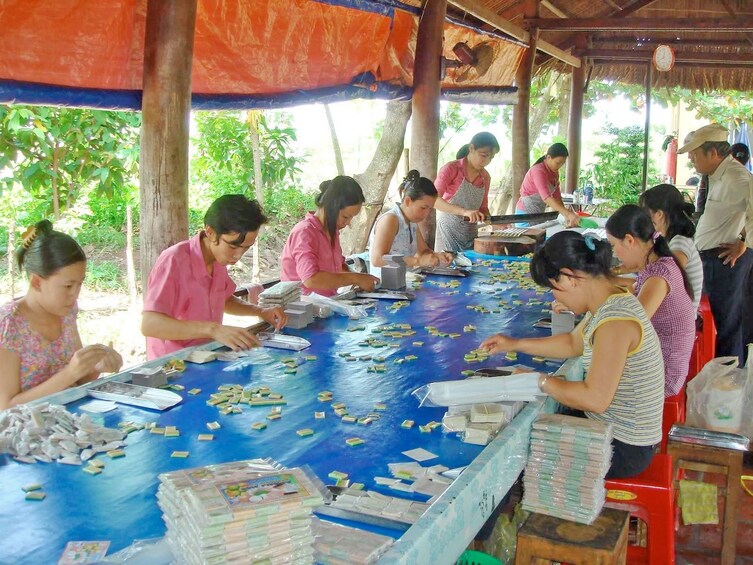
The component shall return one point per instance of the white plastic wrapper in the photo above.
(518, 387)
(351, 311)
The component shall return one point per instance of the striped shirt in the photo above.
(636, 408)
(694, 266)
(674, 322)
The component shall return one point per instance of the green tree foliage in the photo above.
(222, 163)
(60, 156)
(618, 173)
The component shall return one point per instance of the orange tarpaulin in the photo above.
(257, 48)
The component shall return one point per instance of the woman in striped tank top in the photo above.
(624, 381)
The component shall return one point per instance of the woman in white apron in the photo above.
(463, 187)
(396, 233)
(541, 186)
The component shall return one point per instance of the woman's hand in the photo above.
(445, 258)
(428, 260)
(365, 281)
(96, 358)
(498, 343)
(559, 308)
(235, 338)
(274, 316)
(474, 216)
(572, 219)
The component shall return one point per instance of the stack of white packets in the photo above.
(568, 460)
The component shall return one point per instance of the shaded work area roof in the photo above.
(247, 53)
(712, 39)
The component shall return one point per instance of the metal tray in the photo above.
(700, 436)
(383, 294)
(446, 271)
(135, 395)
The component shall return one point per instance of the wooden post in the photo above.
(576, 119)
(424, 150)
(646, 132)
(521, 145)
(165, 110)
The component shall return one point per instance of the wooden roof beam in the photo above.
(680, 57)
(731, 11)
(707, 25)
(670, 41)
(489, 17)
(553, 9)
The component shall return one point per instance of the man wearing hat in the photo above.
(720, 233)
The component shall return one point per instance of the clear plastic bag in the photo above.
(520, 386)
(719, 397)
(353, 312)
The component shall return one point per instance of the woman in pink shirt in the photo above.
(189, 289)
(40, 348)
(541, 186)
(312, 253)
(662, 287)
(463, 187)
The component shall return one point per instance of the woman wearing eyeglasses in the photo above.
(189, 289)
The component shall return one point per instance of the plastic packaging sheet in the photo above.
(521, 386)
(353, 312)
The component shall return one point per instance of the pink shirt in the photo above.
(308, 251)
(180, 287)
(539, 184)
(451, 176)
(674, 322)
(39, 358)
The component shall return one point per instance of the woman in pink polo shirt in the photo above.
(312, 253)
(189, 288)
(463, 187)
(541, 186)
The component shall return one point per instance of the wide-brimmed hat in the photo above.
(711, 132)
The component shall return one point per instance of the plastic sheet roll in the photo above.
(521, 386)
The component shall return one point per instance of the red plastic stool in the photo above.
(696, 357)
(708, 333)
(650, 497)
(674, 413)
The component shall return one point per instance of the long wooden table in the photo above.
(119, 505)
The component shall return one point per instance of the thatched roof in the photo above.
(712, 39)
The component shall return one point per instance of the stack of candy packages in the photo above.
(241, 512)
(567, 463)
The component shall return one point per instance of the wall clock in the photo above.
(664, 58)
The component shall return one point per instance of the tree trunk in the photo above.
(166, 112)
(375, 180)
(427, 85)
(130, 268)
(335, 142)
(564, 104)
(259, 184)
(503, 198)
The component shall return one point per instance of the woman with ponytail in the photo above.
(624, 376)
(396, 231)
(672, 217)
(541, 186)
(662, 288)
(463, 186)
(312, 253)
(40, 348)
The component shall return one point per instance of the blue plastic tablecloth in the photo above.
(119, 505)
